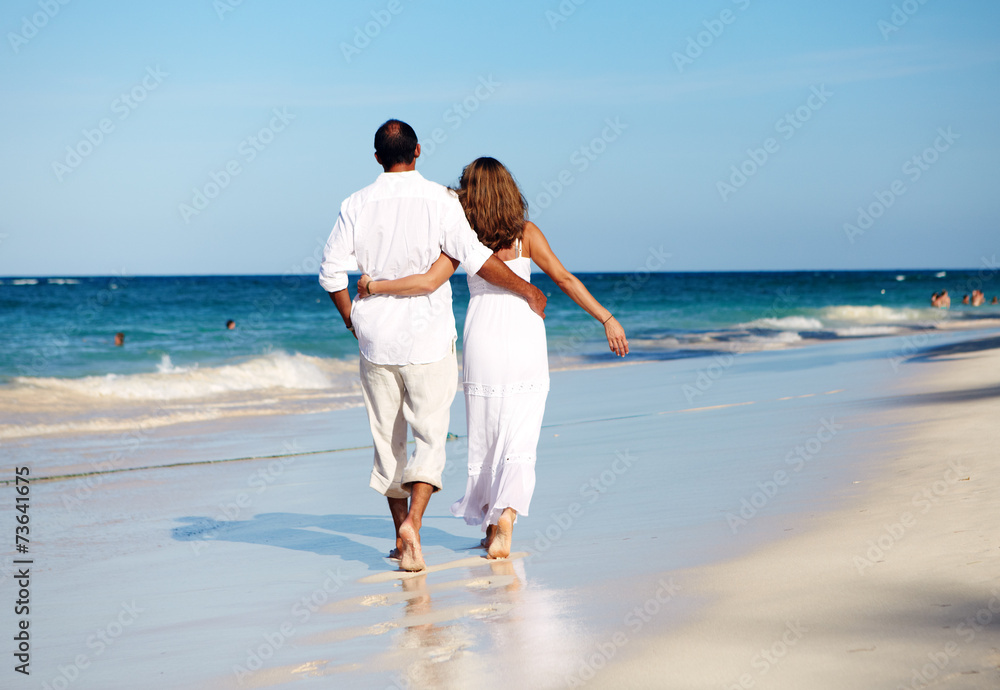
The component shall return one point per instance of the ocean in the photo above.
(60, 371)
(206, 463)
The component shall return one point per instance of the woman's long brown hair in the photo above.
(493, 203)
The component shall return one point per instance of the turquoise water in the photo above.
(60, 371)
(64, 328)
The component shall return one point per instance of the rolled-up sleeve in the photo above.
(338, 256)
(459, 240)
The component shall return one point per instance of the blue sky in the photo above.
(731, 135)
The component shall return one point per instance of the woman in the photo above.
(504, 357)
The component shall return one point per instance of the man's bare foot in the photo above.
(411, 559)
(419, 608)
(491, 531)
(500, 546)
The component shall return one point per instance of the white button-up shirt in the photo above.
(397, 227)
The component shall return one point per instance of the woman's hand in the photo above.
(413, 285)
(616, 337)
(363, 282)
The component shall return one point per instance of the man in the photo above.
(395, 227)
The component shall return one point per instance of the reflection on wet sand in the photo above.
(507, 624)
(425, 645)
(489, 628)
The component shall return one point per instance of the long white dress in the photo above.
(506, 377)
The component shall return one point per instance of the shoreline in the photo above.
(101, 423)
(898, 586)
(628, 521)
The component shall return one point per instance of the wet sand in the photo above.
(688, 515)
(899, 588)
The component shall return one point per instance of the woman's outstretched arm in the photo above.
(541, 253)
(419, 284)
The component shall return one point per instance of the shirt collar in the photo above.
(404, 174)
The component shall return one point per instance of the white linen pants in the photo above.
(416, 394)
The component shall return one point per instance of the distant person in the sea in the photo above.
(119, 339)
(965, 299)
(230, 324)
(941, 299)
(978, 298)
(505, 367)
(994, 300)
(399, 226)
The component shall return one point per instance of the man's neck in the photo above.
(401, 167)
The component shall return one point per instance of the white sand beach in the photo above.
(810, 518)
(898, 588)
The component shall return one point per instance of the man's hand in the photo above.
(537, 301)
(342, 300)
(497, 272)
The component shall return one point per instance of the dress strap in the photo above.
(519, 248)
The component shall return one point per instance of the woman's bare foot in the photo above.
(395, 554)
(411, 559)
(491, 531)
(500, 546)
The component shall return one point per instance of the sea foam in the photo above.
(847, 313)
(274, 370)
(786, 323)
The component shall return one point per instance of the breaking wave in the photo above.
(785, 323)
(847, 313)
(275, 370)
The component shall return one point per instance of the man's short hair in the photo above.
(395, 143)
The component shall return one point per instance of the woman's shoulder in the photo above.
(531, 234)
